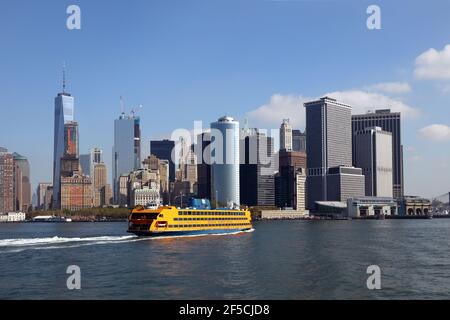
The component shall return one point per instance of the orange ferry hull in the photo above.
(186, 233)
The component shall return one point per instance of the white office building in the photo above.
(373, 154)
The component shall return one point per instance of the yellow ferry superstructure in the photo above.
(170, 220)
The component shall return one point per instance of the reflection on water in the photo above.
(279, 260)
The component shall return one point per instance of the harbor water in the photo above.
(277, 260)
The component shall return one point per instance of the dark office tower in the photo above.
(328, 145)
(290, 162)
(257, 168)
(22, 184)
(162, 149)
(390, 122)
(137, 141)
(203, 166)
(298, 141)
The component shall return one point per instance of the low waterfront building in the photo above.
(331, 208)
(147, 196)
(371, 206)
(13, 217)
(283, 214)
(414, 206)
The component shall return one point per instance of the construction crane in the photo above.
(135, 110)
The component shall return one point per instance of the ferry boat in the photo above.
(170, 220)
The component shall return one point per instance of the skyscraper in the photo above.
(6, 181)
(89, 160)
(70, 162)
(188, 169)
(291, 164)
(75, 187)
(101, 187)
(64, 113)
(95, 157)
(71, 138)
(126, 149)
(203, 166)
(225, 162)
(162, 149)
(40, 192)
(85, 163)
(257, 167)
(22, 184)
(373, 153)
(329, 146)
(286, 135)
(390, 122)
(298, 141)
(137, 141)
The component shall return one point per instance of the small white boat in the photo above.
(50, 219)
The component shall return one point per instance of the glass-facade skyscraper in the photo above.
(126, 149)
(225, 162)
(64, 113)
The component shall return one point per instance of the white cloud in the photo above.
(436, 132)
(433, 64)
(363, 101)
(278, 108)
(445, 88)
(291, 107)
(390, 87)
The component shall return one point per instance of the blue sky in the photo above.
(197, 60)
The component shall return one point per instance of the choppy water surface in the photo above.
(278, 260)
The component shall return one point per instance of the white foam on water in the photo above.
(57, 240)
(19, 245)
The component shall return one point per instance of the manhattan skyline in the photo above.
(198, 61)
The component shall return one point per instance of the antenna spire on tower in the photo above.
(64, 77)
(122, 109)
